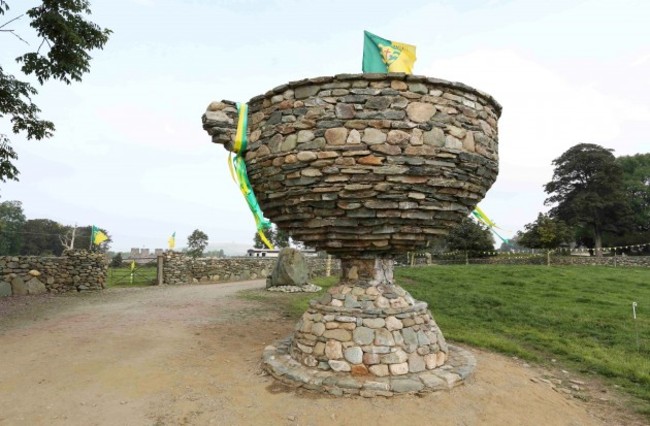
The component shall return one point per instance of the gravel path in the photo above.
(190, 355)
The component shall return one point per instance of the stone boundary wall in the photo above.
(77, 270)
(624, 261)
(181, 269)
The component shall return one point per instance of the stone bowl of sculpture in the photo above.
(367, 166)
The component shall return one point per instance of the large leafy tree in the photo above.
(65, 39)
(587, 191)
(636, 182)
(546, 232)
(196, 243)
(12, 220)
(470, 236)
(42, 237)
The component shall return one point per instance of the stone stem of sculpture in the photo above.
(367, 166)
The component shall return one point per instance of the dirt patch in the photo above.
(190, 355)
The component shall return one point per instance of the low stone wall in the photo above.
(182, 269)
(76, 270)
(635, 261)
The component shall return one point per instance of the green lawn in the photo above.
(579, 316)
(121, 277)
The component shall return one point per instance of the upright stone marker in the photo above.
(290, 269)
(381, 164)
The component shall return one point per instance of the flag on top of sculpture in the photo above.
(132, 265)
(172, 241)
(97, 237)
(381, 55)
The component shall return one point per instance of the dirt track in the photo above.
(190, 355)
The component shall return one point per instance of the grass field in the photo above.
(579, 316)
(121, 277)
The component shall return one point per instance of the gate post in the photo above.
(159, 273)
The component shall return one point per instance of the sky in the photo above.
(129, 153)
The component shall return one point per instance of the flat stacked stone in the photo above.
(281, 365)
(380, 330)
(366, 163)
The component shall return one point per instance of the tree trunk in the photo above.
(598, 242)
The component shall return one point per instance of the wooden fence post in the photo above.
(159, 274)
(328, 266)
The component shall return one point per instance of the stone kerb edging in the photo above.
(457, 370)
(76, 270)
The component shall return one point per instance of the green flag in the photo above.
(97, 237)
(382, 56)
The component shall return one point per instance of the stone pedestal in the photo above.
(367, 334)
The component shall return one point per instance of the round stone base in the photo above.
(276, 361)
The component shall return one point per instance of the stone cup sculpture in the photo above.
(364, 167)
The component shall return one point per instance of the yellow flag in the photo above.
(100, 237)
(132, 265)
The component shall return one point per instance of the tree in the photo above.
(257, 242)
(276, 236)
(636, 182)
(82, 235)
(12, 220)
(547, 233)
(511, 245)
(280, 238)
(117, 260)
(196, 243)
(470, 236)
(587, 190)
(42, 237)
(65, 37)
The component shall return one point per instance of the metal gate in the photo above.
(142, 273)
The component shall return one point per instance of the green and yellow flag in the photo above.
(381, 55)
(240, 175)
(172, 241)
(132, 265)
(97, 237)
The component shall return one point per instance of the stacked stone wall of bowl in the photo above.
(372, 163)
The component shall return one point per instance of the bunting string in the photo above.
(536, 252)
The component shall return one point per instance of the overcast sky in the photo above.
(129, 153)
